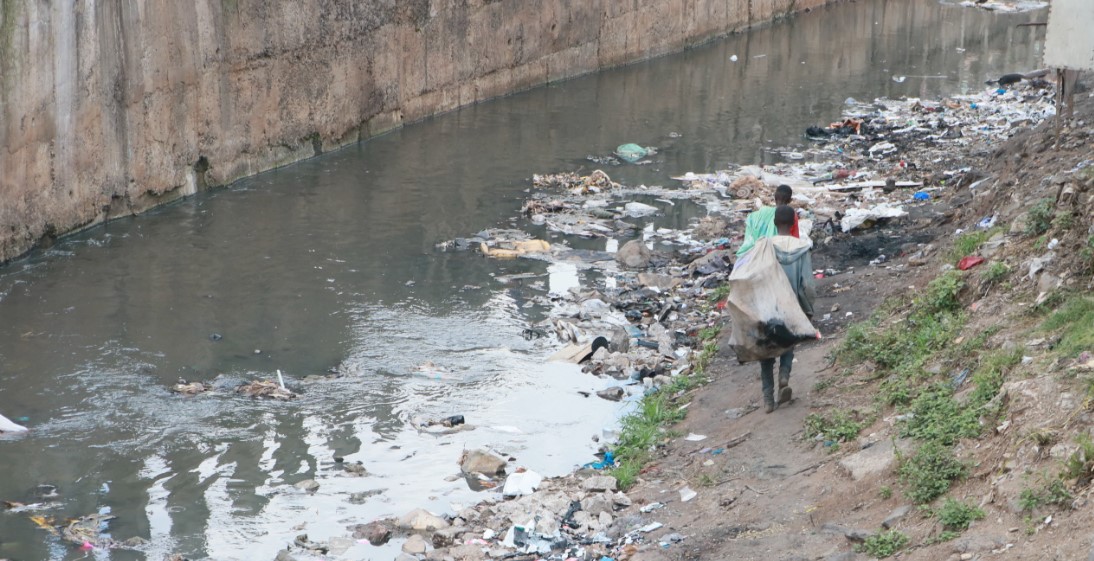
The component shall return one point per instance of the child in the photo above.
(760, 223)
(793, 254)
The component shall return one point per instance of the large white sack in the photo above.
(767, 319)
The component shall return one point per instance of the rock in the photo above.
(595, 504)
(481, 461)
(873, 460)
(717, 261)
(415, 545)
(895, 516)
(614, 393)
(605, 519)
(979, 543)
(659, 281)
(599, 483)
(307, 485)
(857, 535)
(284, 555)
(406, 557)
(621, 500)
(447, 537)
(843, 556)
(634, 254)
(467, 553)
(377, 533)
(421, 520)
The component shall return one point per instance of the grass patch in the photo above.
(720, 293)
(885, 492)
(994, 273)
(645, 428)
(839, 425)
(929, 473)
(1051, 491)
(884, 544)
(966, 244)
(956, 516)
(1075, 321)
(938, 417)
(1039, 218)
(1080, 465)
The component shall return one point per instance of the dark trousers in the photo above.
(767, 371)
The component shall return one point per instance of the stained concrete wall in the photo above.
(108, 108)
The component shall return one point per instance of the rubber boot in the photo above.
(767, 379)
(785, 393)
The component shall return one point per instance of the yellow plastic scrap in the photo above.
(45, 524)
(511, 250)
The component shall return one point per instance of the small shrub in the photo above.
(1030, 500)
(941, 294)
(840, 425)
(1039, 218)
(1080, 465)
(937, 417)
(994, 273)
(929, 473)
(1064, 220)
(967, 243)
(886, 492)
(1051, 491)
(884, 544)
(1075, 319)
(956, 516)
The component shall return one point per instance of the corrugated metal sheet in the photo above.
(1070, 39)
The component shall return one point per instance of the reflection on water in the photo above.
(331, 264)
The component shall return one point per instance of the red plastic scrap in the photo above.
(969, 262)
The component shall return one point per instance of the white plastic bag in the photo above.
(767, 319)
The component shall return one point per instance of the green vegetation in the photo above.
(994, 273)
(1080, 465)
(956, 516)
(1039, 218)
(937, 417)
(885, 492)
(644, 429)
(720, 293)
(967, 243)
(1075, 322)
(884, 544)
(840, 425)
(1051, 491)
(1086, 255)
(1064, 220)
(930, 472)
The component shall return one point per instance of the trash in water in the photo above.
(7, 425)
(513, 249)
(733, 58)
(631, 153)
(638, 210)
(191, 388)
(265, 389)
(521, 483)
(607, 462)
(899, 79)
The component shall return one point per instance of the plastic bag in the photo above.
(767, 319)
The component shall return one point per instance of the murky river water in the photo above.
(332, 262)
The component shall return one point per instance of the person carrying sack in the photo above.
(793, 255)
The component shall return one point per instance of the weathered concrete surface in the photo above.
(110, 108)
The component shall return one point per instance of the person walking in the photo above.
(761, 223)
(793, 255)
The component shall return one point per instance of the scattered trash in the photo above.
(921, 196)
(265, 389)
(733, 58)
(969, 261)
(686, 494)
(606, 463)
(651, 507)
(692, 437)
(987, 222)
(7, 425)
(187, 388)
(1053, 244)
(514, 249)
(651, 527)
(521, 483)
(631, 153)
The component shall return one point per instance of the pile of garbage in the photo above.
(653, 302)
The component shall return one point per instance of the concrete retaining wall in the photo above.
(109, 108)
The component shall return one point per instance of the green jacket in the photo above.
(793, 254)
(759, 224)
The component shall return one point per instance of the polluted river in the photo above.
(332, 273)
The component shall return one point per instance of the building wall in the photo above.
(109, 108)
